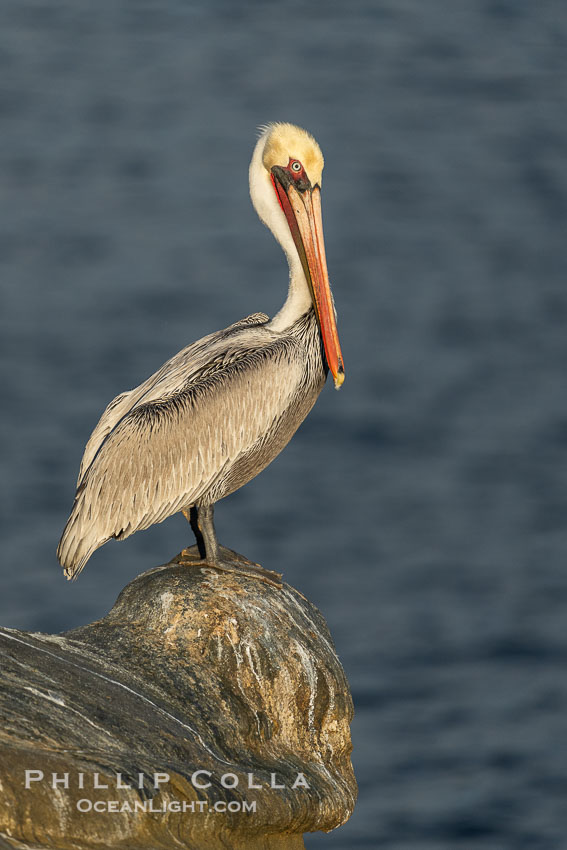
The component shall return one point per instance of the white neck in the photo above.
(271, 214)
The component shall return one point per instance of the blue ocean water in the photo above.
(423, 507)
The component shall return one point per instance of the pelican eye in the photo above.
(296, 165)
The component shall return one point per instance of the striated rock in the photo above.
(200, 689)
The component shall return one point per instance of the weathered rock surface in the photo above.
(192, 670)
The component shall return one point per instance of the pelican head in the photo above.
(285, 187)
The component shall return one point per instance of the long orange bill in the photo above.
(303, 213)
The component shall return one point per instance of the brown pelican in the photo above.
(220, 411)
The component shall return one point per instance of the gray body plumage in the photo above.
(207, 422)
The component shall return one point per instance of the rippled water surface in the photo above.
(423, 508)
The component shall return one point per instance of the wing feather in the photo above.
(175, 373)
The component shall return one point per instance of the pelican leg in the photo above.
(201, 518)
(206, 528)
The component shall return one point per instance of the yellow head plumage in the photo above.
(285, 142)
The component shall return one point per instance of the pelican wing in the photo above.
(174, 374)
(173, 444)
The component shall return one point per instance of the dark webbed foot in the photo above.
(208, 553)
(229, 562)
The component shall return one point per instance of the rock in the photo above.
(197, 687)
